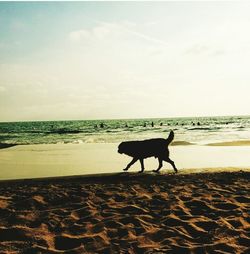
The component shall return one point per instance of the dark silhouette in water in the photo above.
(65, 131)
(144, 125)
(101, 125)
(140, 150)
(152, 124)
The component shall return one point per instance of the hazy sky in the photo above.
(95, 60)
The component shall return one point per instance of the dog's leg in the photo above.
(130, 164)
(160, 166)
(172, 163)
(142, 166)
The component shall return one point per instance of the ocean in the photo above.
(188, 130)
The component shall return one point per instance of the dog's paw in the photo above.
(125, 169)
(156, 171)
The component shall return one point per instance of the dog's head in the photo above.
(121, 148)
(127, 148)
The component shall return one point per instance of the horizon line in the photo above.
(136, 118)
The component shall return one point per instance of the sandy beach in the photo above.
(75, 198)
(127, 213)
(47, 160)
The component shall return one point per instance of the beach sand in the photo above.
(32, 161)
(127, 213)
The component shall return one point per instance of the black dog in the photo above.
(139, 150)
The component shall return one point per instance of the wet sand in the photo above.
(32, 161)
(231, 143)
(127, 213)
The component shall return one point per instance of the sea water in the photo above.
(196, 131)
(82, 147)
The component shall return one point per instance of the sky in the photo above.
(105, 60)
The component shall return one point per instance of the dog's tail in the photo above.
(170, 137)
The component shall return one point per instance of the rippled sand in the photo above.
(127, 213)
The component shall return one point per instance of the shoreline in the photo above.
(240, 142)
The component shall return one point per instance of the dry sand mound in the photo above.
(127, 213)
